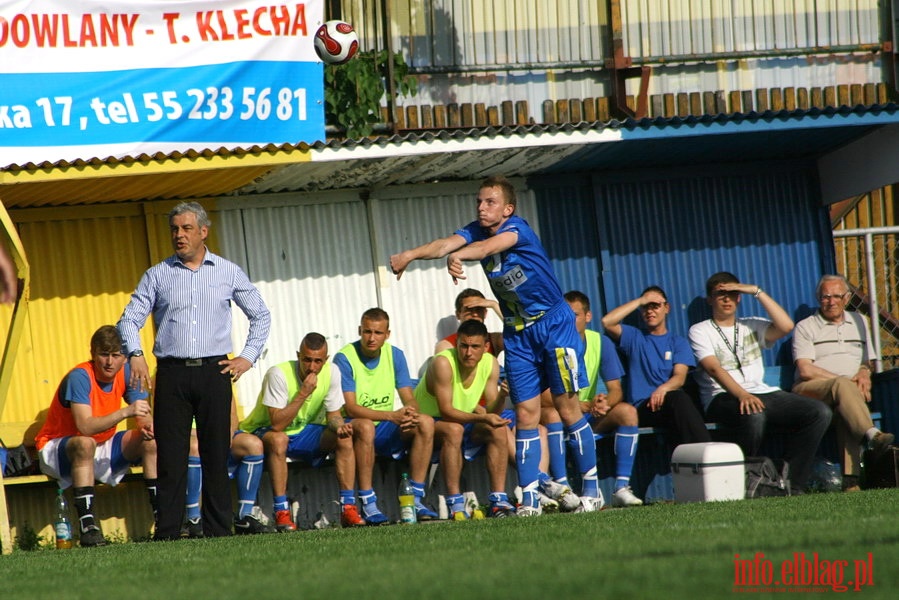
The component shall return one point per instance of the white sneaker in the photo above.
(547, 504)
(528, 511)
(568, 500)
(625, 497)
(588, 504)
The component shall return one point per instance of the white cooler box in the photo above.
(708, 471)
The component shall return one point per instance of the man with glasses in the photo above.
(733, 391)
(832, 351)
(658, 362)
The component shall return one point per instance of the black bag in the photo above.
(19, 461)
(883, 471)
(764, 479)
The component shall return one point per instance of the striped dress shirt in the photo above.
(192, 309)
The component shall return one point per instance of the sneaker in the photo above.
(880, 443)
(588, 504)
(529, 511)
(460, 515)
(501, 510)
(251, 524)
(192, 528)
(92, 537)
(283, 521)
(423, 513)
(349, 516)
(547, 504)
(568, 500)
(375, 517)
(625, 497)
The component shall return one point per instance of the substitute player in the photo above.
(450, 391)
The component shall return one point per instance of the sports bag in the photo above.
(764, 479)
(18, 461)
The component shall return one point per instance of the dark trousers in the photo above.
(679, 416)
(184, 393)
(804, 420)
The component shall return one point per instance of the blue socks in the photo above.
(194, 487)
(280, 503)
(418, 489)
(555, 432)
(248, 476)
(625, 452)
(347, 497)
(369, 502)
(583, 444)
(527, 461)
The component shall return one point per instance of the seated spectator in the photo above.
(832, 351)
(658, 363)
(79, 444)
(450, 392)
(298, 415)
(729, 350)
(371, 371)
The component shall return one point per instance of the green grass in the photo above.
(658, 551)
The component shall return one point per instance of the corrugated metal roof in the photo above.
(447, 155)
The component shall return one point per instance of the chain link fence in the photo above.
(869, 259)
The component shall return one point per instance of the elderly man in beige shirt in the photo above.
(832, 351)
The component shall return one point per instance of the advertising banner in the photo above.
(101, 78)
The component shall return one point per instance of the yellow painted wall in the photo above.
(85, 263)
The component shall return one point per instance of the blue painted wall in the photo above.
(613, 234)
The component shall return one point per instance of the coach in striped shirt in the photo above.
(190, 296)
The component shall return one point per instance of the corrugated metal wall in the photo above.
(310, 257)
(674, 229)
(656, 29)
(84, 263)
(466, 51)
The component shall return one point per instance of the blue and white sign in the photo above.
(101, 78)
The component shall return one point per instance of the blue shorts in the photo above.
(547, 354)
(305, 445)
(389, 440)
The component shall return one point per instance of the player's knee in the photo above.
(81, 447)
(275, 442)
(247, 444)
(363, 429)
(628, 414)
(425, 424)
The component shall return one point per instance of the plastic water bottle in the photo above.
(63, 524)
(407, 501)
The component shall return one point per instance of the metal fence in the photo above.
(869, 259)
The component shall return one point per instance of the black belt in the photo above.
(169, 361)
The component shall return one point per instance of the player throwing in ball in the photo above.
(543, 348)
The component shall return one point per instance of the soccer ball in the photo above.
(336, 42)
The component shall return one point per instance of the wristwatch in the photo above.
(136, 353)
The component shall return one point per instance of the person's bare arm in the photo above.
(434, 249)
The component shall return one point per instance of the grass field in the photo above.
(658, 551)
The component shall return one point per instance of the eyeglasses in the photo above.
(829, 297)
(724, 293)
